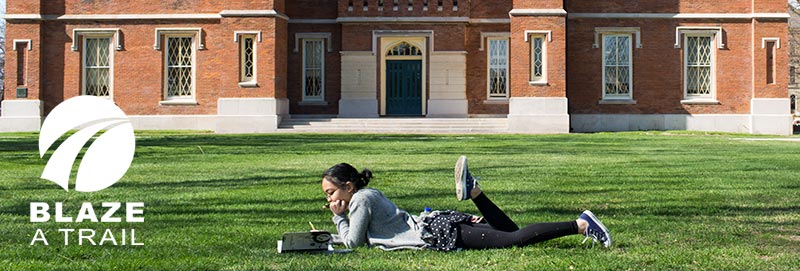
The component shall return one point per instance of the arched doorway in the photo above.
(403, 87)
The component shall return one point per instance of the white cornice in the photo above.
(253, 13)
(402, 20)
(490, 21)
(729, 16)
(177, 16)
(538, 12)
(192, 16)
(313, 21)
(22, 17)
(362, 19)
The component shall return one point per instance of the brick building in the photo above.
(547, 66)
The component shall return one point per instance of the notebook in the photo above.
(310, 241)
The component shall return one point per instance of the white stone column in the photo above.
(539, 115)
(21, 116)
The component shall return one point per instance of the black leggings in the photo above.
(502, 232)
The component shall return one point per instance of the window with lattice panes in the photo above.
(497, 67)
(247, 59)
(538, 60)
(97, 62)
(179, 67)
(617, 72)
(313, 69)
(699, 66)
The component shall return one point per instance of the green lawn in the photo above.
(672, 200)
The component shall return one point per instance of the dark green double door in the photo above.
(404, 87)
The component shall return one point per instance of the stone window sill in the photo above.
(314, 103)
(617, 101)
(700, 101)
(537, 83)
(178, 102)
(496, 101)
(248, 84)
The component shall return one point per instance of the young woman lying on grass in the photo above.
(375, 220)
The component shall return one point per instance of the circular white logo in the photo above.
(107, 158)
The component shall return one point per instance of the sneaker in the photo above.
(596, 230)
(464, 181)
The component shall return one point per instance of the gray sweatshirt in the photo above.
(375, 220)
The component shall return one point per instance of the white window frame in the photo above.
(545, 36)
(628, 96)
(237, 37)
(489, 68)
(240, 38)
(180, 99)
(777, 42)
(111, 45)
(322, 73)
(710, 98)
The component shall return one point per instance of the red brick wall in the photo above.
(138, 69)
(521, 62)
(657, 70)
(150, 6)
(657, 87)
(31, 31)
(539, 4)
(490, 9)
(323, 9)
(447, 37)
(477, 71)
(779, 89)
(769, 6)
(23, 7)
(402, 10)
(661, 6)
(332, 71)
(277, 51)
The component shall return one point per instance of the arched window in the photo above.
(404, 49)
(793, 104)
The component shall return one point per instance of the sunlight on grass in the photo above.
(672, 200)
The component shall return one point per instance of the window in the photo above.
(313, 69)
(538, 66)
(22, 60)
(498, 68)
(404, 49)
(97, 60)
(770, 62)
(617, 72)
(247, 55)
(792, 72)
(179, 67)
(698, 66)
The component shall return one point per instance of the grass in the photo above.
(673, 200)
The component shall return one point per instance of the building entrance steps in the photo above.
(395, 125)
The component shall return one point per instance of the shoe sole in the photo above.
(461, 183)
(607, 243)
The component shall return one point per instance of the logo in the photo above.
(107, 158)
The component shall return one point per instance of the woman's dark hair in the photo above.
(343, 173)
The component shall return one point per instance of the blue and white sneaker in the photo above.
(464, 181)
(596, 230)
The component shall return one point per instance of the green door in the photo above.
(404, 87)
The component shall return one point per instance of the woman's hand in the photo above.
(338, 207)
